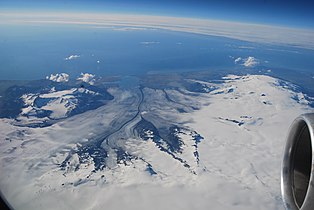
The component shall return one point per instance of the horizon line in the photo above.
(252, 32)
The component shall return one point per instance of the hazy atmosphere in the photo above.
(150, 105)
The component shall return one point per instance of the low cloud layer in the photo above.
(62, 77)
(243, 31)
(131, 29)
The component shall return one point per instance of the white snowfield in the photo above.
(60, 103)
(244, 133)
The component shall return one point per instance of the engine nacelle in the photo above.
(297, 175)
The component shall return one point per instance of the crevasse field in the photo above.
(139, 115)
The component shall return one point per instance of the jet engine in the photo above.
(297, 175)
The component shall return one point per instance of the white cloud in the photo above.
(237, 60)
(88, 78)
(72, 57)
(246, 47)
(149, 43)
(247, 62)
(62, 77)
(250, 62)
(132, 29)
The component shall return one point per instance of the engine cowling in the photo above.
(297, 174)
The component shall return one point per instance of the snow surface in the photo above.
(60, 103)
(243, 132)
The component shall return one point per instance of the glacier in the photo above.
(186, 143)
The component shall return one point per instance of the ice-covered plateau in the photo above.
(201, 144)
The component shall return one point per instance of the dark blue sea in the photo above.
(33, 52)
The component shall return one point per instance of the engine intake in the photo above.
(297, 177)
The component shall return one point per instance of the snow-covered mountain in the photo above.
(49, 101)
(193, 144)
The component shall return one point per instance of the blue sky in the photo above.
(297, 13)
